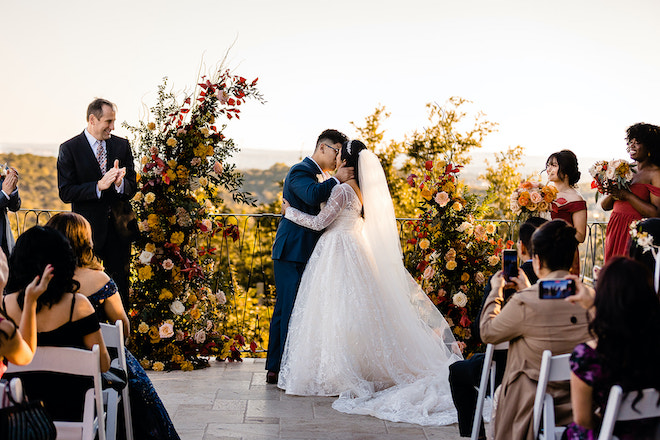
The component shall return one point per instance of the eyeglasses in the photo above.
(332, 148)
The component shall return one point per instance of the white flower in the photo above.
(200, 337)
(460, 299)
(177, 307)
(166, 330)
(645, 241)
(145, 257)
(220, 296)
(168, 264)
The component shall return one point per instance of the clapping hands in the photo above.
(113, 175)
(10, 183)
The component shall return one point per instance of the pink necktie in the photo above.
(101, 157)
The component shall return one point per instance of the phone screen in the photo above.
(556, 289)
(509, 263)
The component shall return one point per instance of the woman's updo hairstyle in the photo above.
(350, 151)
(568, 165)
(36, 248)
(554, 242)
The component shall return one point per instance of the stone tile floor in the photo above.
(232, 401)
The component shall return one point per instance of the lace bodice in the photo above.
(342, 211)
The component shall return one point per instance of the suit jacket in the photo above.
(13, 203)
(77, 174)
(303, 191)
(531, 325)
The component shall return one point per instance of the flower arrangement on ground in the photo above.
(532, 198)
(176, 300)
(613, 174)
(451, 253)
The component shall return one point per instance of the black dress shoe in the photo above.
(271, 377)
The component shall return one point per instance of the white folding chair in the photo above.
(113, 336)
(553, 369)
(74, 361)
(621, 408)
(487, 371)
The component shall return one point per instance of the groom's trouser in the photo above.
(287, 280)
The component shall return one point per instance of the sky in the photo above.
(553, 74)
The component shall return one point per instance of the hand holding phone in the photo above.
(556, 289)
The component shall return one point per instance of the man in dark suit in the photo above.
(96, 174)
(465, 375)
(9, 200)
(306, 186)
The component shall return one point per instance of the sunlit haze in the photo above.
(559, 74)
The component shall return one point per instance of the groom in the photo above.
(306, 186)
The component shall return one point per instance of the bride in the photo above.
(361, 327)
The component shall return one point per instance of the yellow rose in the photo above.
(187, 366)
(449, 187)
(144, 273)
(192, 299)
(149, 197)
(143, 327)
(465, 277)
(152, 220)
(154, 335)
(195, 314)
(151, 126)
(150, 247)
(490, 229)
(177, 237)
(451, 265)
(138, 196)
(424, 243)
(158, 366)
(493, 260)
(178, 358)
(457, 206)
(427, 194)
(171, 142)
(171, 163)
(165, 294)
(171, 174)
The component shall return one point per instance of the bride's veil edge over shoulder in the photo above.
(381, 234)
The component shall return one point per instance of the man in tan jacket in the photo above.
(532, 325)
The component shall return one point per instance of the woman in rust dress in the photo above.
(642, 200)
(563, 172)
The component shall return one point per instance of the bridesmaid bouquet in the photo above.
(532, 198)
(615, 173)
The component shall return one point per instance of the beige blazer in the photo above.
(531, 325)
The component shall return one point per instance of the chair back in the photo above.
(621, 408)
(74, 361)
(113, 336)
(553, 369)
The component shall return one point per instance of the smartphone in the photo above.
(509, 263)
(556, 289)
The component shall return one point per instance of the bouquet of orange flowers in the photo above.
(532, 198)
(616, 173)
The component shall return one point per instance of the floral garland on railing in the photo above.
(176, 294)
(452, 254)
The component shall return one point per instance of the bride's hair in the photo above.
(350, 151)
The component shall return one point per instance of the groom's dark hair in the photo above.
(332, 135)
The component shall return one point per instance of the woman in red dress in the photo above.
(643, 198)
(562, 169)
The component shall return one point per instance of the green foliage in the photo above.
(503, 178)
(38, 180)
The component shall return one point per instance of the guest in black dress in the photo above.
(150, 418)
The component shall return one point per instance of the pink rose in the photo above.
(442, 198)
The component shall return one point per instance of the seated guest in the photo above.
(532, 325)
(18, 346)
(625, 323)
(465, 375)
(64, 318)
(150, 418)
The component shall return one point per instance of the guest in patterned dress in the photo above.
(625, 322)
(150, 418)
(563, 172)
(643, 198)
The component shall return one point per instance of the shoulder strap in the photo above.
(73, 303)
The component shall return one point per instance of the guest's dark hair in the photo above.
(332, 135)
(567, 164)
(35, 249)
(351, 157)
(647, 135)
(627, 324)
(554, 242)
(77, 230)
(527, 230)
(96, 107)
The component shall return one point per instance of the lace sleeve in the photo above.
(328, 214)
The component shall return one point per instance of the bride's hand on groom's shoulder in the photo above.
(344, 173)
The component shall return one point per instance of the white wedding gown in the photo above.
(354, 335)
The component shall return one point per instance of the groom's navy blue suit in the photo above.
(292, 248)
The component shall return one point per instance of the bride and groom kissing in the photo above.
(349, 320)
